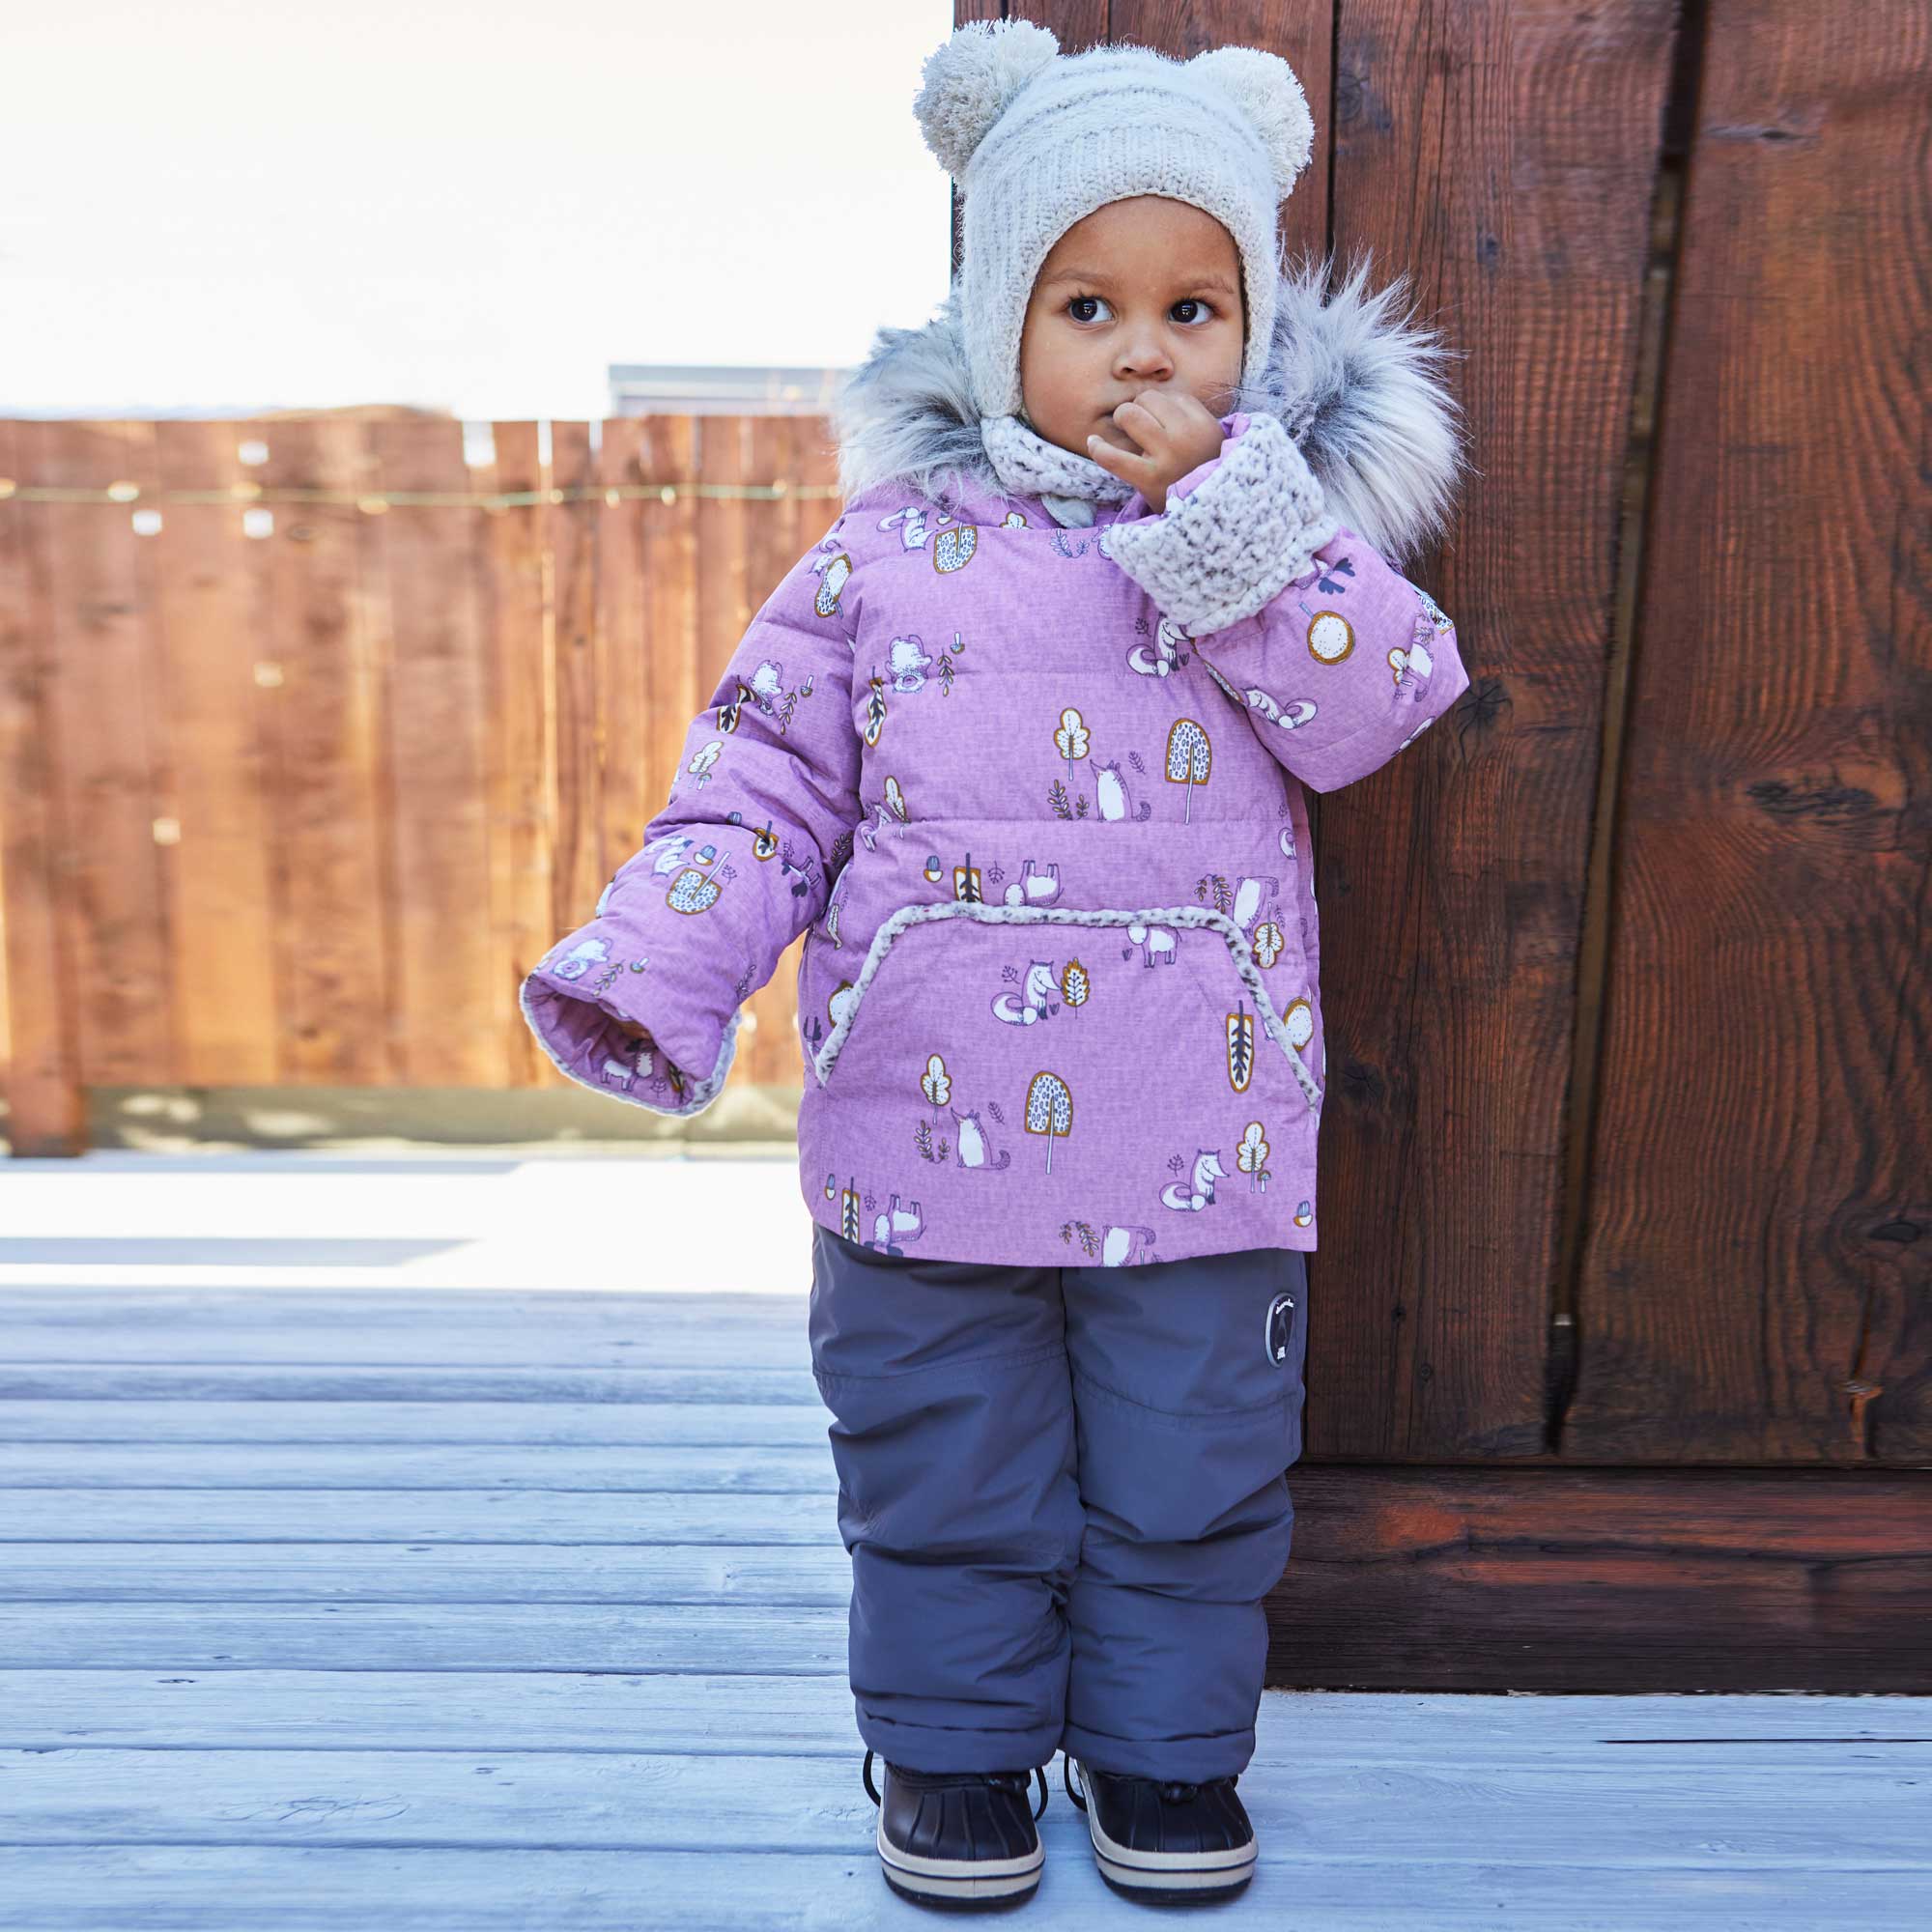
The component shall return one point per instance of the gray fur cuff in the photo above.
(1235, 542)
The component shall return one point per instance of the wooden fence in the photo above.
(300, 782)
(1623, 1318)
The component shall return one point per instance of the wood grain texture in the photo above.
(521, 715)
(1755, 1284)
(321, 722)
(1501, 156)
(214, 716)
(103, 699)
(580, 1611)
(446, 1011)
(571, 530)
(40, 1031)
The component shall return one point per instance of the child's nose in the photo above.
(1146, 360)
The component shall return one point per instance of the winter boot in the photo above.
(959, 1838)
(1164, 1840)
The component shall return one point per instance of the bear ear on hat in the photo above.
(1264, 87)
(969, 80)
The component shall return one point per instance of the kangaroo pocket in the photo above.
(1065, 1041)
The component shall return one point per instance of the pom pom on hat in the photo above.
(969, 80)
(1266, 89)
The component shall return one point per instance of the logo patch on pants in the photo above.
(1280, 1330)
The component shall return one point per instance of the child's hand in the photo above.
(1176, 433)
(632, 1030)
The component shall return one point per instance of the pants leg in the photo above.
(957, 1499)
(1188, 1401)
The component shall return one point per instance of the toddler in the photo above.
(1021, 745)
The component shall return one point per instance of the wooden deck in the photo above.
(389, 1545)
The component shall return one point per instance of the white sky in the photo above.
(471, 205)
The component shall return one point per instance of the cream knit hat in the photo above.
(1036, 141)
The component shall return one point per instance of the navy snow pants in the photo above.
(1062, 1490)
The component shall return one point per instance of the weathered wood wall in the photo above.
(1627, 1156)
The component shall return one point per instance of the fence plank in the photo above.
(570, 530)
(1755, 1280)
(40, 1039)
(325, 720)
(1502, 155)
(103, 703)
(623, 803)
(446, 1011)
(522, 755)
(668, 456)
(212, 628)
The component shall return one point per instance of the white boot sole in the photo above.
(958, 1878)
(1164, 1871)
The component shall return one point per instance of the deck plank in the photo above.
(388, 1605)
(295, 1888)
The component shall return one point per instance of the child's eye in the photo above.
(1076, 302)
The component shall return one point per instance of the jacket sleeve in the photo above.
(1338, 659)
(736, 865)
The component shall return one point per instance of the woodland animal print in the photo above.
(951, 675)
(1199, 1192)
(910, 662)
(1110, 790)
(1124, 1247)
(1035, 886)
(1156, 943)
(1037, 997)
(968, 1142)
(895, 1226)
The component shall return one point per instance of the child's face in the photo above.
(1142, 292)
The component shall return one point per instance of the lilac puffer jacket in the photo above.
(1035, 795)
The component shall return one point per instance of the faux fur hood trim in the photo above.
(1357, 383)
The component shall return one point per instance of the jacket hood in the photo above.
(1357, 385)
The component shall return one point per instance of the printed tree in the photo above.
(1071, 740)
(1240, 1048)
(849, 1210)
(1074, 984)
(936, 1084)
(1251, 1156)
(1189, 758)
(1049, 1110)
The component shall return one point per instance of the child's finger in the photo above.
(1107, 454)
